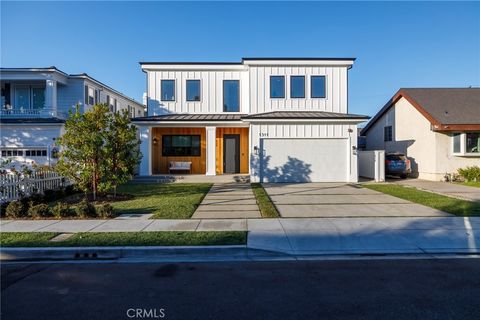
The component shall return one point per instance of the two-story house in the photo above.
(277, 119)
(35, 103)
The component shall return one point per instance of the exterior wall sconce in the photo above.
(155, 141)
(255, 150)
(350, 130)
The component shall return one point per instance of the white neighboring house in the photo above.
(437, 128)
(35, 103)
(277, 119)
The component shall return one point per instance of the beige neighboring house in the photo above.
(437, 128)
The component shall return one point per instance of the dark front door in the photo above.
(231, 153)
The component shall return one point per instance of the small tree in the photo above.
(94, 149)
(122, 152)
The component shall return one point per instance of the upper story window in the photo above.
(89, 96)
(387, 133)
(193, 90)
(318, 87)
(231, 96)
(297, 87)
(168, 90)
(277, 87)
(29, 97)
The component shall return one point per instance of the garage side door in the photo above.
(304, 160)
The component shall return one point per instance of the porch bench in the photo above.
(180, 166)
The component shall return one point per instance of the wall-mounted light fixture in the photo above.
(255, 150)
(350, 130)
(155, 141)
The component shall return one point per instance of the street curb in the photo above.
(240, 252)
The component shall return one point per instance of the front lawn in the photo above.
(451, 205)
(165, 201)
(90, 239)
(471, 184)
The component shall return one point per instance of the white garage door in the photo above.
(304, 160)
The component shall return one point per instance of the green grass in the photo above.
(160, 238)
(265, 204)
(471, 184)
(454, 206)
(165, 201)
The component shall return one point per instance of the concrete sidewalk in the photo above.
(444, 188)
(305, 236)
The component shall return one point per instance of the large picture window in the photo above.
(466, 144)
(231, 96)
(181, 146)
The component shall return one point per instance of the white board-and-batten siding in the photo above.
(335, 82)
(211, 88)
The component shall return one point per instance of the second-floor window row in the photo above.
(193, 90)
(297, 87)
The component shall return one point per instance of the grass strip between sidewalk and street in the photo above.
(458, 207)
(157, 238)
(265, 204)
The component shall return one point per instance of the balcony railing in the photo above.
(30, 113)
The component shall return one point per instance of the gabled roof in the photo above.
(447, 109)
(305, 115)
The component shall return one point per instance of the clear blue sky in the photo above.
(396, 44)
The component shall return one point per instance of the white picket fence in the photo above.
(13, 186)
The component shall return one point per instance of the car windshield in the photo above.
(395, 157)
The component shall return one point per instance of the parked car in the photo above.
(397, 164)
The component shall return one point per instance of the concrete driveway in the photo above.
(341, 200)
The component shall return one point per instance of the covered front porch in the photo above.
(207, 150)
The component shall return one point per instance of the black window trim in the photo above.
(291, 88)
(183, 135)
(199, 88)
(223, 88)
(284, 86)
(174, 90)
(311, 86)
(390, 138)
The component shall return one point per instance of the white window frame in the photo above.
(463, 146)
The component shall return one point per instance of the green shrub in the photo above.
(105, 211)
(61, 210)
(49, 195)
(39, 210)
(16, 209)
(85, 209)
(35, 198)
(470, 173)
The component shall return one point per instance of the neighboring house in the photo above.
(277, 119)
(35, 103)
(438, 129)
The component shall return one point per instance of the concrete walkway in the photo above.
(445, 188)
(306, 236)
(228, 201)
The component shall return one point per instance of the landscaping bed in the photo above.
(160, 238)
(451, 205)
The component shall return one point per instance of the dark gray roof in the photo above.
(192, 117)
(30, 120)
(454, 106)
(304, 115)
(449, 106)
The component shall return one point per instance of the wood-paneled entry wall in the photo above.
(243, 132)
(160, 164)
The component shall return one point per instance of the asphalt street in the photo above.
(341, 289)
